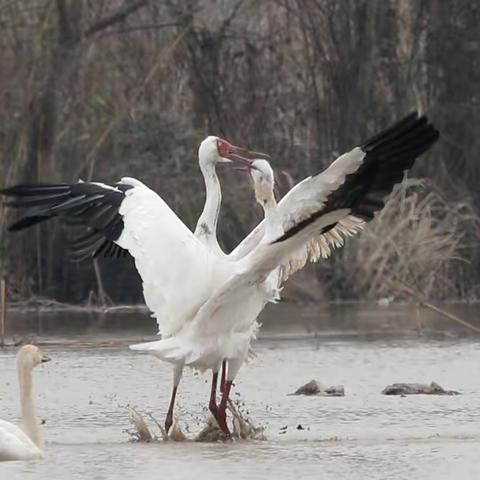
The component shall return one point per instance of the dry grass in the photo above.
(419, 239)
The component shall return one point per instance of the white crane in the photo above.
(206, 231)
(315, 216)
(212, 150)
(96, 205)
(207, 304)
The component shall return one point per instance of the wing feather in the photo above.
(381, 160)
(344, 201)
(128, 216)
(299, 203)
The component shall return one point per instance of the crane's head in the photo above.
(29, 356)
(261, 172)
(215, 150)
(262, 176)
(263, 180)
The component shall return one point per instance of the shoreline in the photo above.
(52, 306)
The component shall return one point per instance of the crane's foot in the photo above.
(168, 423)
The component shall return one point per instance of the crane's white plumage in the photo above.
(302, 200)
(206, 304)
(167, 254)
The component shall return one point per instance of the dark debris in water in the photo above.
(284, 429)
(314, 387)
(417, 389)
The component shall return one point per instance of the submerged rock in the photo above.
(417, 389)
(313, 387)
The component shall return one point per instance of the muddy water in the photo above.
(83, 393)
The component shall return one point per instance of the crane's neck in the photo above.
(273, 230)
(273, 224)
(30, 422)
(206, 229)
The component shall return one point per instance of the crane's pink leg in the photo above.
(177, 375)
(212, 406)
(222, 409)
(169, 419)
(224, 372)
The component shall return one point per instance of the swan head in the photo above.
(215, 150)
(29, 356)
(263, 180)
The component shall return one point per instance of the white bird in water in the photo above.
(206, 230)
(147, 228)
(207, 304)
(24, 443)
(313, 217)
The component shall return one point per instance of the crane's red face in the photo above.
(225, 149)
(232, 153)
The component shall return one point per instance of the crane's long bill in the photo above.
(241, 163)
(247, 154)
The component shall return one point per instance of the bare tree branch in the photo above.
(230, 18)
(115, 17)
(136, 28)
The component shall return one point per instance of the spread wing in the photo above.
(356, 185)
(128, 216)
(403, 140)
(303, 199)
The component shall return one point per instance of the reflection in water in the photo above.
(84, 394)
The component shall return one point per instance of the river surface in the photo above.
(83, 393)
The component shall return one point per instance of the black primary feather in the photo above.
(387, 156)
(80, 204)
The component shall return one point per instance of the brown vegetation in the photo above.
(420, 239)
(115, 87)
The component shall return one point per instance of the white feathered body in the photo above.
(177, 270)
(227, 334)
(179, 275)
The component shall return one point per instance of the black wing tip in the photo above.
(26, 222)
(404, 141)
(412, 124)
(9, 191)
(34, 188)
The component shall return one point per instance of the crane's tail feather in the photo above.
(172, 350)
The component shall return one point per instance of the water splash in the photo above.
(141, 431)
(243, 428)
